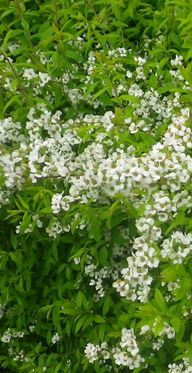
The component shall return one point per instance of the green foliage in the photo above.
(65, 64)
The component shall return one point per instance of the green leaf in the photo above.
(58, 367)
(46, 309)
(23, 203)
(182, 292)
(159, 325)
(4, 257)
(88, 321)
(10, 34)
(79, 253)
(56, 317)
(102, 331)
(26, 221)
(176, 323)
(103, 255)
(7, 12)
(95, 229)
(160, 301)
(107, 304)
(147, 311)
(114, 334)
(153, 82)
(81, 300)
(14, 241)
(68, 328)
(169, 274)
(46, 210)
(99, 93)
(128, 98)
(16, 257)
(13, 100)
(99, 319)
(25, 25)
(68, 308)
(180, 219)
(80, 323)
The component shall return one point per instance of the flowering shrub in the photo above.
(95, 187)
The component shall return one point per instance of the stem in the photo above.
(56, 18)
(18, 6)
(172, 19)
(122, 36)
(21, 87)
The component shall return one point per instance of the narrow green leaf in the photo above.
(99, 319)
(103, 255)
(160, 301)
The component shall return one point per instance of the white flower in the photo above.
(129, 74)
(44, 79)
(91, 352)
(6, 338)
(56, 202)
(177, 61)
(144, 329)
(29, 74)
(56, 338)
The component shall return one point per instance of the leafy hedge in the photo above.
(95, 176)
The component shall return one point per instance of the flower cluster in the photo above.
(99, 172)
(126, 353)
(9, 334)
(108, 135)
(10, 132)
(166, 331)
(97, 352)
(55, 338)
(18, 356)
(184, 367)
(98, 276)
(177, 247)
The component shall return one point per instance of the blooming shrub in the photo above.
(95, 187)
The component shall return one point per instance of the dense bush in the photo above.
(96, 196)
